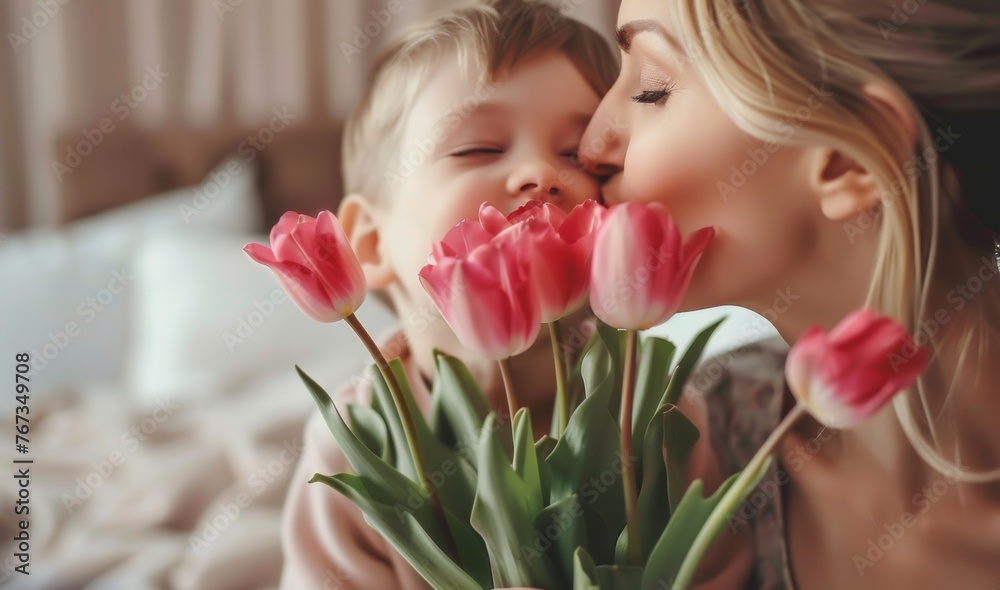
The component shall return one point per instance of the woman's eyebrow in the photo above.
(629, 30)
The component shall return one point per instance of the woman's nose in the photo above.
(602, 147)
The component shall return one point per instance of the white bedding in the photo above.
(98, 525)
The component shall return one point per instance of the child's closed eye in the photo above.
(476, 151)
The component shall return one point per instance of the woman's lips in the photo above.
(610, 193)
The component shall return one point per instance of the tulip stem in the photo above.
(410, 430)
(562, 398)
(628, 466)
(731, 500)
(508, 386)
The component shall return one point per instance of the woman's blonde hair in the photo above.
(490, 36)
(938, 213)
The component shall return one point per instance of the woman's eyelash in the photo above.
(654, 96)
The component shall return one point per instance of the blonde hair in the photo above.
(763, 60)
(491, 36)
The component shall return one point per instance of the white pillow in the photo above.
(207, 318)
(67, 292)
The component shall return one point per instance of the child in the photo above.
(841, 149)
(485, 103)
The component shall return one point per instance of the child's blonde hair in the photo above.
(493, 35)
(937, 214)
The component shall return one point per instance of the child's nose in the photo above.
(537, 180)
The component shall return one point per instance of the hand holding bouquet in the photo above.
(474, 500)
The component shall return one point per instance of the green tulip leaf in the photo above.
(614, 343)
(526, 461)
(655, 356)
(559, 529)
(462, 403)
(543, 448)
(402, 530)
(679, 438)
(385, 484)
(585, 458)
(652, 504)
(370, 429)
(686, 522)
(687, 363)
(503, 514)
(584, 571)
(619, 577)
(452, 474)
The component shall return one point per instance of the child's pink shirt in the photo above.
(325, 540)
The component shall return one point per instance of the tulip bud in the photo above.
(846, 376)
(315, 265)
(641, 266)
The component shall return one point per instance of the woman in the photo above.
(841, 149)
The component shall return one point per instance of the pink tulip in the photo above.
(482, 286)
(641, 266)
(315, 265)
(844, 377)
(561, 268)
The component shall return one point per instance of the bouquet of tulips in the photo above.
(473, 500)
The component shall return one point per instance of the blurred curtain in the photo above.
(69, 63)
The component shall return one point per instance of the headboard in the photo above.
(298, 167)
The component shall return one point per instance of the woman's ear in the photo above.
(844, 186)
(362, 222)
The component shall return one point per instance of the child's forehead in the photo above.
(470, 89)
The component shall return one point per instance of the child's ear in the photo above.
(362, 223)
(845, 187)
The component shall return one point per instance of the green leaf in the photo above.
(389, 451)
(655, 356)
(370, 428)
(584, 571)
(385, 484)
(621, 548)
(687, 520)
(450, 473)
(559, 529)
(397, 436)
(526, 461)
(730, 502)
(544, 448)
(619, 577)
(412, 541)
(614, 342)
(679, 439)
(462, 403)
(687, 363)
(503, 514)
(652, 502)
(584, 460)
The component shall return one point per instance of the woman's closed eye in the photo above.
(656, 97)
